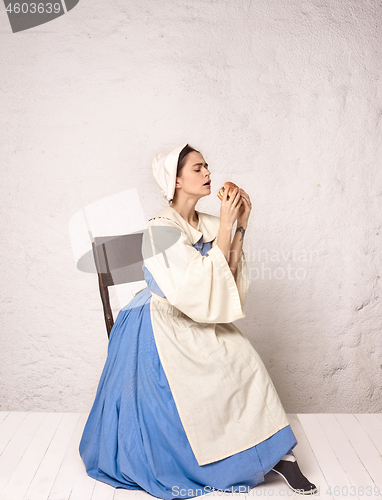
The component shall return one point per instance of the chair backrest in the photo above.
(118, 259)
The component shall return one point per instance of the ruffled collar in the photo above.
(208, 226)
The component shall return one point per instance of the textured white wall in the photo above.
(283, 97)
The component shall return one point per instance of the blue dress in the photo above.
(134, 437)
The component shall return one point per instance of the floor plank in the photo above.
(45, 476)
(3, 415)
(20, 480)
(373, 426)
(103, 491)
(331, 468)
(18, 445)
(83, 488)
(9, 426)
(363, 446)
(84, 485)
(71, 466)
(345, 453)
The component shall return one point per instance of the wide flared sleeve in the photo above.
(202, 287)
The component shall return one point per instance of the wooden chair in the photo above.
(118, 259)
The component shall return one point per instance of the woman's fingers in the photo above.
(243, 193)
(236, 196)
(232, 196)
(245, 196)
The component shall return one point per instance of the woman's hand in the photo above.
(245, 208)
(230, 209)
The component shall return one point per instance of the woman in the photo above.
(184, 404)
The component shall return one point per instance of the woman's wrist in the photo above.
(224, 239)
(242, 223)
(226, 227)
(240, 229)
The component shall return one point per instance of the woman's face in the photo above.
(194, 175)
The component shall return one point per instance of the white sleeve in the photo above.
(202, 287)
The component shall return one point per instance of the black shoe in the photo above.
(294, 478)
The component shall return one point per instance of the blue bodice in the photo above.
(151, 283)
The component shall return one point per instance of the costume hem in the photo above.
(239, 449)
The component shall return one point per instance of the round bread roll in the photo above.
(227, 185)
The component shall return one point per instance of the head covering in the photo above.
(164, 170)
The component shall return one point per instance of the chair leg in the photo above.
(108, 314)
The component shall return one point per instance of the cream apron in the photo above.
(225, 398)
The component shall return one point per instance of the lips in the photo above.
(207, 183)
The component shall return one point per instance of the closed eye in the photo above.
(204, 164)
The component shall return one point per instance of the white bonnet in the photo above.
(164, 170)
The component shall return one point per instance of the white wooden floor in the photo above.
(39, 459)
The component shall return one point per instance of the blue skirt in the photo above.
(134, 437)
